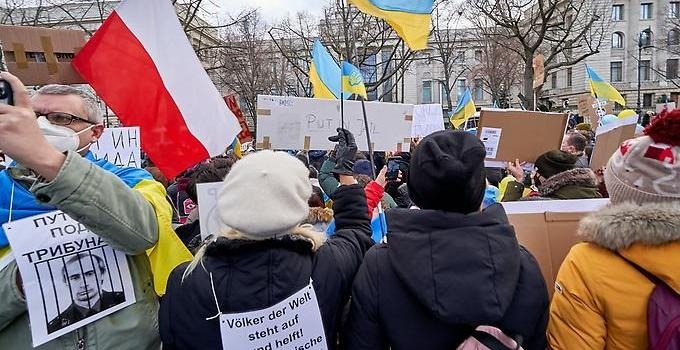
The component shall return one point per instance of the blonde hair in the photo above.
(305, 232)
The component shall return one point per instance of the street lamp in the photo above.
(642, 44)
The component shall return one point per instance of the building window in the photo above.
(617, 13)
(645, 70)
(461, 56)
(617, 71)
(646, 11)
(672, 69)
(569, 76)
(427, 91)
(645, 38)
(617, 40)
(553, 80)
(479, 90)
(478, 55)
(445, 95)
(673, 37)
(647, 100)
(674, 9)
(460, 88)
(370, 72)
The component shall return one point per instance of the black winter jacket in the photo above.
(440, 275)
(253, 275)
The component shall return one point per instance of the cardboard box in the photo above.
(608, 139)
(516, 134)
(41, 56)
(548, 229)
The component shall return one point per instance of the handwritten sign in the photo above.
(119, 146)
(207, 204)
(294, 323)
(426, 120)
(305, 123)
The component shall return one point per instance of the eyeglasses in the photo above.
(61, 118)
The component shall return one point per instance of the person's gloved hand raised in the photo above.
(345, 152)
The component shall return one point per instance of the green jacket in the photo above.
(329, 183)
(121, 216)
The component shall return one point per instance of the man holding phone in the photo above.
(48, 136)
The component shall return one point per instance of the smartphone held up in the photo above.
(6, 94)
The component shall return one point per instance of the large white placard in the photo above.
(427, 119)
(71, 277)
(294, 323)
(305, 123)
(207, 208)
(120, 146)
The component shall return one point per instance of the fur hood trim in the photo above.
(617, 227)
(319, 215)
(573, 177)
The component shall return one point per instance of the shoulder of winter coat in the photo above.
(617, 227)
(575, 177)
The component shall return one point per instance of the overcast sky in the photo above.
(273, 9)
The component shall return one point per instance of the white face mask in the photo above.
(61, 137)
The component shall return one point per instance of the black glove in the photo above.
(345, 152)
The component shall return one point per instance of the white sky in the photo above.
(273, 9)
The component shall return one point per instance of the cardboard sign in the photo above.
(293, 323)
(71, 277)
(661, 106)
(245, 135)
(427, 119)
(119, 146)
(305, 124)
(521, 134)
(539, 70)
(608, 139)
(41, 56)
(548, 229)
(207, 208)
(587, 108)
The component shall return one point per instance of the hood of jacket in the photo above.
(577, 183)
(463, 268)
(319, 215)
(648, 235)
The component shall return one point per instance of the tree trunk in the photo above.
(528, 83)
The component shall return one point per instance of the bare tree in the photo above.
(566, 32)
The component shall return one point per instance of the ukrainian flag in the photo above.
(324, 73)
(409, 18)
(603, 90)
(352, 80)
(464, 110)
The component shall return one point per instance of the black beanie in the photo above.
(554, 162)
(447, 172)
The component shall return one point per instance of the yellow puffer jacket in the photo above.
(600, 300)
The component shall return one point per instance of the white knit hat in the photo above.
(265, 195)
(647, 169)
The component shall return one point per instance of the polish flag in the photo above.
(141, 63)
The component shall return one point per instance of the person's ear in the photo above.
(97, 132)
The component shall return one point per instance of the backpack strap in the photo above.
(647, 274)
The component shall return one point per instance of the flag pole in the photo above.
(381, 212)
(342, 97)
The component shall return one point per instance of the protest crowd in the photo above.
(255, 246)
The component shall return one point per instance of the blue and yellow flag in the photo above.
(464, 110)
(324, 73)
(409, 18)
(602, 89)
(352, 80)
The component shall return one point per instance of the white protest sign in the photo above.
(71, 277)
(426, 120)
(293, 324)
(306, 123)
(491, 137)
(119, 146)
(207, 208)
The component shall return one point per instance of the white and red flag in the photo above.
(141, 63)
